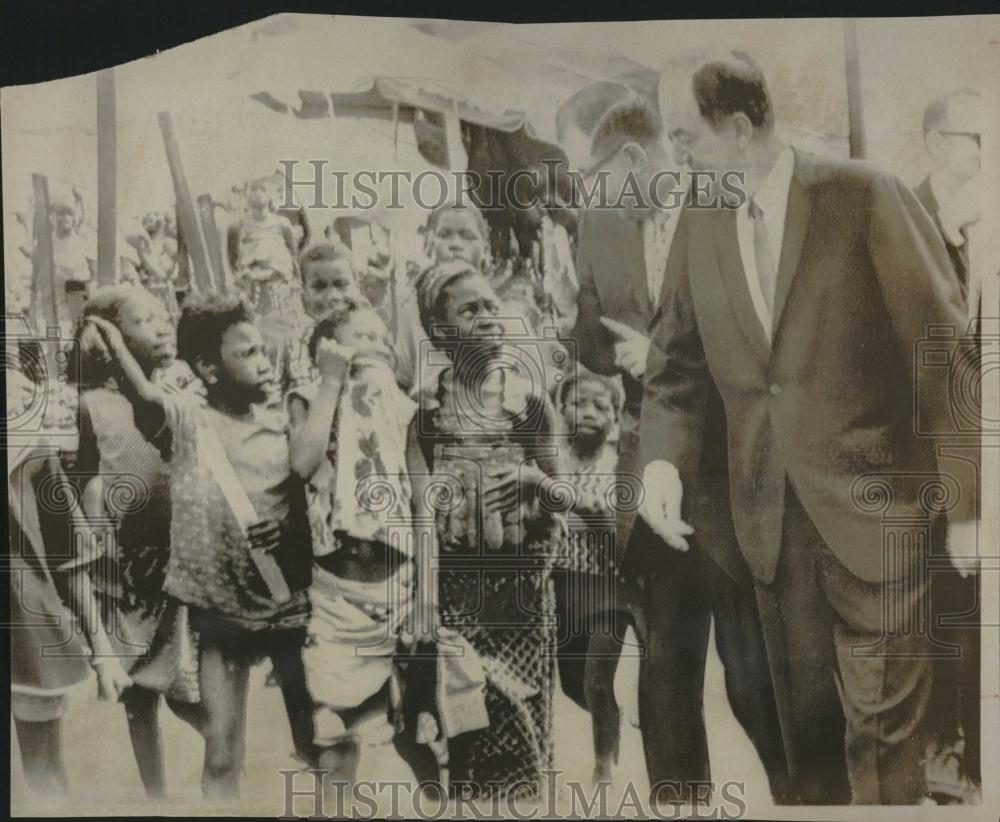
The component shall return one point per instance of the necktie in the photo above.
(656, 254)
(767, 271)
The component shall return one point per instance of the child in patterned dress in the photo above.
(590, 598)
(123, 483)
(349, 444)
(238, 524)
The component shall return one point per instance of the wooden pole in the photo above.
(184, 278)
(206, 210)
(457, 158)
(186, 215)
(107, 179)
(395, 131)
(44, 287)
(855, 108)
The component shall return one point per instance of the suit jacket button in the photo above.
(775, 389)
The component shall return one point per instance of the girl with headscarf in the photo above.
(485, 450)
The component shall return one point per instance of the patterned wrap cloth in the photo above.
(359, 494)
(495, 588)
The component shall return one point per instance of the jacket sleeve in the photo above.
(927, 310)
(595, 344)
(676, 383)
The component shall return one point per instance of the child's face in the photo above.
(258, 195)
(590, 409)
(327, 286)
(365, 332)
(375, 285)
(457, 237)
(244, 371)
(147, 330)
(473, 308)
(63, 219)
(152, 222)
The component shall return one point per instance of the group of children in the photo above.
(303, 502)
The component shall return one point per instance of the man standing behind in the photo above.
(805, 307)
(951, 192)
(622, 266)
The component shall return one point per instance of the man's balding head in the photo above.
(715, 104)
(951, 126)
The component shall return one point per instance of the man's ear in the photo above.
(635, 153)
(742, 128)
(207, 371)
(935, 144)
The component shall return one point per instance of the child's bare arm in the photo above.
(146, 398)
(425, 549)
(233, 245)
(309, 440)
(75, 586)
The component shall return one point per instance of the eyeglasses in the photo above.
(974, 135)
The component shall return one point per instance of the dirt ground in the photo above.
(105, 780)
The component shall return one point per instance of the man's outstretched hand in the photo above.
(662, 505)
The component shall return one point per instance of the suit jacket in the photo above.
(611, 266)
(842, 403)
(959, 256)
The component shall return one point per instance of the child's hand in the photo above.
(504, 495)
(265, 534)
(333, 359)
(102, 338)
(111, 679)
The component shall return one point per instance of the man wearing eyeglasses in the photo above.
(622, 264)
(807, 308)
(951, 193)
(952, 196)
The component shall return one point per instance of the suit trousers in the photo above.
(851, 672)
(955, 702)
(673, 598)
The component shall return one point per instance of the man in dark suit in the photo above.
(951, 196)
(805, 307)
(621, 265)
(949, 193)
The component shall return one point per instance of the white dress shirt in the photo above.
(657, 236)
(772, 198)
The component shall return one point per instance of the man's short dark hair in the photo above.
(634, 119)
(937, 109)
(203, 324)
(730, 85)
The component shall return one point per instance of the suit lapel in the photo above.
(635, 263)
(727, 250)
(797, 218)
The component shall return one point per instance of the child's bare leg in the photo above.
(40, 744)
(225, 674)
(286, 656)
(141, 709)
(193, 713)
(342, 758)
(599, 684)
